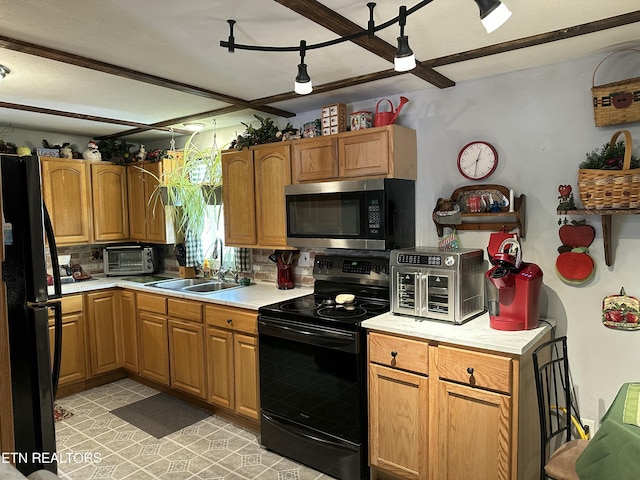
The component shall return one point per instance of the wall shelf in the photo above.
(491, 221)
(605, 219)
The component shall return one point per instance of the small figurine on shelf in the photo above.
(142, 154)
(92, 152)
(566, 198)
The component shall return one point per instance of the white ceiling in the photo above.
(179, 41)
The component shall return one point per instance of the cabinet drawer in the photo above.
(474, 368)
(70, 304)
(399, 352)
(233, 318)
(185, 309)
(152, 303)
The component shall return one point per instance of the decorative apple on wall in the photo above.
(574, 265)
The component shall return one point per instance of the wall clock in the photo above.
(477, 160)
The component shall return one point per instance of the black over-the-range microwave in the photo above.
(373, 214)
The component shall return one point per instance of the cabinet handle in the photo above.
(470, 370)
(394, 353)
(229, 321)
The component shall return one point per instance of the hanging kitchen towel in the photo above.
(194, 250)
(243, 259)
(631, 413)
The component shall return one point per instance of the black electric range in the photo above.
(313, 366)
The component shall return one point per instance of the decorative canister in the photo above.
(66, 152)
(361, 120)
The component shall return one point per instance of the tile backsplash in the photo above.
(263, 270)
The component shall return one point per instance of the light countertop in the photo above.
(251, 297)
(475, 333)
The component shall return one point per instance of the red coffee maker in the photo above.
(513, 289)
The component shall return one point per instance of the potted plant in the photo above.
(190, 184)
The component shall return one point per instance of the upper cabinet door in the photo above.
(67, 194)
(110, 207)
(365, 154)
(315, 159)
(272, 172)
(239, 198)
(137, 202)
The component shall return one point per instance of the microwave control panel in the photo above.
(374, 216)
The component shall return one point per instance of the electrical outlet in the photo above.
(591, 425)
(304, 260)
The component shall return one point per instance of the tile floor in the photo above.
(211, 449)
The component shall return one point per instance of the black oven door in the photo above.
(313, 395)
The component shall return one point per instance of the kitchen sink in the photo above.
(195, 285)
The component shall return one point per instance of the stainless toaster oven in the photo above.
(429, 282)
(128, 260)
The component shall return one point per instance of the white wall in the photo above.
(541, 123)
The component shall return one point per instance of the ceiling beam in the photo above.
(331, 20)
(79, 61)
(531, 41)
(541, 39)
(92, 118)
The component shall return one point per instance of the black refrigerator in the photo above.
(34, 377)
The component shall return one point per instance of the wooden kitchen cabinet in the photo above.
(154, 338)
(73, 363)
(381, 152)
(66, 189)
(398, 399)
(104, 331)
(129, 329)
(110, 206)
(314, 160)
(149, 220)
(186, 347)
(232, 359)
(254, 209)
(474, 422)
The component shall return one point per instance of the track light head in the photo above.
(404, 59)
(303, 84)
(493, 14)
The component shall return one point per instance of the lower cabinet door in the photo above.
(73, 361)
(186, 357)
(104, 332)
(475, 433)
(245, 353)
(129, 331)
(220, 367)
(398, 422)
(154, 347)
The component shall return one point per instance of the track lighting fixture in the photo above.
(404, 60)
(303, 85)
(493, 13)
(4, 71)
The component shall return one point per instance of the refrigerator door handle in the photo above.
(56, 305)
(53, 251)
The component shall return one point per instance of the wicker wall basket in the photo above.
(611, 189)
(618, 102)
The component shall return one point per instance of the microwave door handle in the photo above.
(417, 293)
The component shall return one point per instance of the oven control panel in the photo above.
(370, 268)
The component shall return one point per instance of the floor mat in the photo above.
(160, 415)
(60, 413)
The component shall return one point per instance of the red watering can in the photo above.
(387, 118)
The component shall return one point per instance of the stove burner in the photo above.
(340, 311)
(375, 307)
(299, 305)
